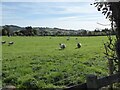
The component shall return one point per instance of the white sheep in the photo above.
(76, 38)
(68, 38)
(79, 45)
(62, 46)
(3, 42)
(10, 43)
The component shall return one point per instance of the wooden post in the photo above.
(116, 16)
(92, 82)
(111, 69)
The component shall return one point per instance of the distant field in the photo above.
(37, 62)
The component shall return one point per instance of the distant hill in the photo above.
(46, 31)
(15, 28)
(12, 27)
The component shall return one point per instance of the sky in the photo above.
(66, 15)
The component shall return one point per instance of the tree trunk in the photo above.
(116, 16)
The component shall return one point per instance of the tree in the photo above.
(112, 12)
(35, 32)
(6, 30)
(29, 31)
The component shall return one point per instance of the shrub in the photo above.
(30, 84)
(11, 80)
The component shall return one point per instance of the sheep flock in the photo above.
(63, 46)
(9, 43)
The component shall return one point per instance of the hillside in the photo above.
(13, 30)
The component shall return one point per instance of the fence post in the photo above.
(92, 82)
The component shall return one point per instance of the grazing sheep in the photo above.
(10, 43)
(76, 38)
(79, 45)
(62, 46)
(68, 39)
(3, 42)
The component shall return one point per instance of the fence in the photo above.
(94, 83)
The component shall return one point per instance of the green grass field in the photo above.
(37, 62)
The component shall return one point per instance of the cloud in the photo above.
(60, 0)
(78, 10)
(69, 15)
(80, 18)
(0, 14)
(47, 1)
(44, 8)
(69, 23)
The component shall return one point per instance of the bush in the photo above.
(30, 84)
(10, 80)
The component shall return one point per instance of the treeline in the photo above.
(12, 30)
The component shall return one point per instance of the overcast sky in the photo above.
(67, 15)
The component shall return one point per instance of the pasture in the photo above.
(37, 62)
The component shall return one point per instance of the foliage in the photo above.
(112, 12)
(111, 55)
(30, 84)
(41, 31)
